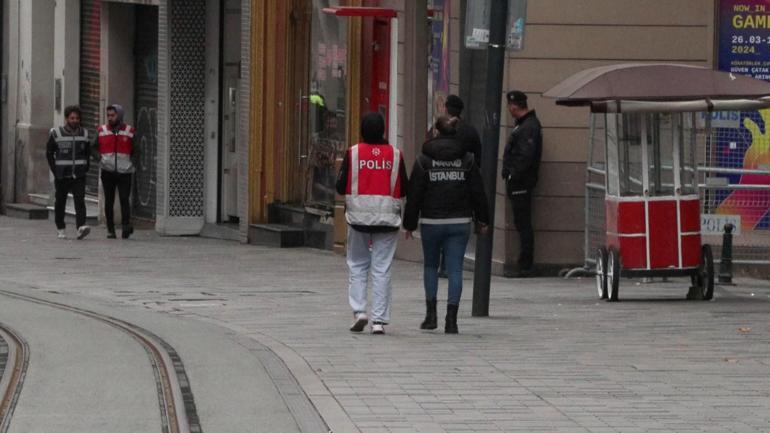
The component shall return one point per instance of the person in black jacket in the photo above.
(466, 133)
(68, 152)
(445, 194)
(521, 163)
(468, 137)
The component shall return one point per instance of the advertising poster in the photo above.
(439, 56)
(743, 139)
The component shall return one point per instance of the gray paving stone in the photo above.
(551, 358)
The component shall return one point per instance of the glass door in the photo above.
(324, 107)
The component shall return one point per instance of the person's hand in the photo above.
(408, 235)
(483, 229)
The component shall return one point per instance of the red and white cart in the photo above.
(649, 119)
(652, 207)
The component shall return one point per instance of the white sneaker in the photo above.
(378, 328)
(359, 322)
(83, 231)
(61, 234)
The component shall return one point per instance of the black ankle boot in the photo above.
(431, 321)
(450, 327)
(127, 231)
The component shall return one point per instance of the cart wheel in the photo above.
(601, 272)
(706, 273)
(613, 275)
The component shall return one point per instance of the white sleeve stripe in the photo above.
(353, 170)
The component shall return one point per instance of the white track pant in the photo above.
(379, 260)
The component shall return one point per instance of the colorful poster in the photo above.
(744, 37)
(439, 56)
(744, 48)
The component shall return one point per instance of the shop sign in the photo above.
(477, 17)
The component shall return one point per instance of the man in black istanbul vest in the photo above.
(68, 151)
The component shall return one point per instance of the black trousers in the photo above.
(522, 220)
(122, 182)
(78, 189)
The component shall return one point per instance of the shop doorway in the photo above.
(126, 73)
(230, 73)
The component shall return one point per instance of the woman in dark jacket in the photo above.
(445, 195)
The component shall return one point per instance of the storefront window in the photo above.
(327, 101)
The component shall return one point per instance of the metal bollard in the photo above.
(726, 262)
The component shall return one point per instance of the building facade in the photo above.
(244, 108)
(174, 65)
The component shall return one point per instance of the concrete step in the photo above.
(39, 199)
(280, 213)
(26, 211)
(226, 231)
(319, 239)
(276, 235)
(43, 199)
(317, 233)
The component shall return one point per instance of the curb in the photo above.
(319, 395)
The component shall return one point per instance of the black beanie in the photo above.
(373, 128)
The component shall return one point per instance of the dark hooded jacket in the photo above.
(445, 184)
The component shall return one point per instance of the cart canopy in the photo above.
(660, 87)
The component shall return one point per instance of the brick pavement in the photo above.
(551, 358)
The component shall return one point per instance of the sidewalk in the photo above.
(551, 358)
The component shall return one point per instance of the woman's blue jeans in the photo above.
(453, 239)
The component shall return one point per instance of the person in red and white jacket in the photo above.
(117, 153)
(373, 180)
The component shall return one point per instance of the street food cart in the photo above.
(651, 118)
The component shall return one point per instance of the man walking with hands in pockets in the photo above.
(117, 151)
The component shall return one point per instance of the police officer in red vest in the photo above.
(373, 181)
(116, 148)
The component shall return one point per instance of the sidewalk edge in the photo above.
(319, 395)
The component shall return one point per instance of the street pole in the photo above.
(489, 153)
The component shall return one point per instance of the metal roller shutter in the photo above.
(146, 103)
(89, 77)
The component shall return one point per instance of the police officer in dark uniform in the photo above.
(521, 163)
(69, 151)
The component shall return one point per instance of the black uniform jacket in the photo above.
(521, 159)
(445, 184)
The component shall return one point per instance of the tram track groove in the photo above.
(175, 398)
(12, 376)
